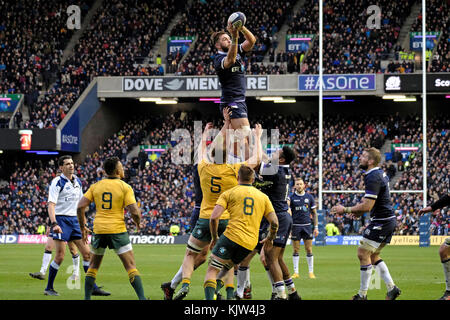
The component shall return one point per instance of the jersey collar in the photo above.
(300, 194)
(221, 52)
(64, 177)
(373, 169)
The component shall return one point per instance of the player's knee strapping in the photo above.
(193, 247)
(369, 245)
(213, 262)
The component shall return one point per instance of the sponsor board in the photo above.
(298, 42)
(30, 139)
(152, 239)
(414, 240)
(186, 83)
(436, 82)
(157, 239)
(8, 239)
(415, 40)
(334, 82)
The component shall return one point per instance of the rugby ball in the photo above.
(237, 19)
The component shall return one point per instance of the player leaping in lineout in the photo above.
(230, 69)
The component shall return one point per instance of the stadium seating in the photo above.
(264, 19)
(30, 58)
(165, 191)
(112, 45)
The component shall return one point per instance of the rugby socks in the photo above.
(210, 289)
(76, 264)
(247, 277)
(177, 278)
(446, 265)
(54, 267)
(383, 271)
(86, 268)
(269, 275)
(241, 280)
(230, 291)
(89, 282)
(279, 289)
(186, 282)
(136, 283)
(295, 259)
(289, 283)
(310, 261)
(219, 285)
(366, 273)
(46, 258)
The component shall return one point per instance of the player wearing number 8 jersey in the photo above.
(111, 196)
(246, 206)
(215, 178)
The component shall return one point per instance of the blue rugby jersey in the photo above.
(377, 188)
(301, 207)
(232, 79)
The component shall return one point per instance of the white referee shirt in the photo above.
(65, 195)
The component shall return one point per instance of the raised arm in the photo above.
(230, 59)
(250, 39)
(255, 159)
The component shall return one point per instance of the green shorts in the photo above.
(202, 231)
(120, 242)
(230, 250)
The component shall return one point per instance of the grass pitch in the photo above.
(417, 271)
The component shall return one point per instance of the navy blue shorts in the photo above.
(284, 230)
(70, 229)
(380, 230)
(238, 109)
(301, 232)
(194, 217)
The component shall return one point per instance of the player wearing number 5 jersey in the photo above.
(214, 180)
(246, 206)
(111, 196)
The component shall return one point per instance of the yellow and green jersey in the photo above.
(111, 196)
(214, 180)
(246, 206)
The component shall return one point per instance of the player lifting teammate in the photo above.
(379, 232)
(246, 206)
(277, 191)
(215, 178)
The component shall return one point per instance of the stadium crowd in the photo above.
(117, 39)
(113, 44)
(264, 19)
(30, 58)
(165, 191)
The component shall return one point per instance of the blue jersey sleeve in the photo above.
(312, 202)
(372, 187)
(218, 61)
